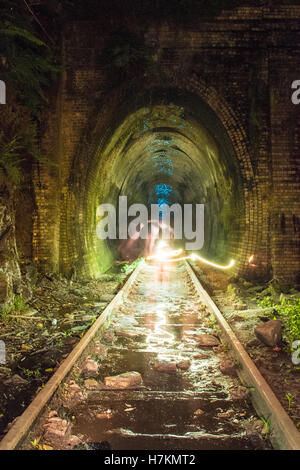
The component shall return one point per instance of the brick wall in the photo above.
(240, 64)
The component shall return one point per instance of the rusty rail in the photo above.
(21, 427)
(283, 433)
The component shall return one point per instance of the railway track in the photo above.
(149, 374)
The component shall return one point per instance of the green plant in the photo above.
(66, 334)
(5, 314)
(31, 373)
(265, 302)
(27, 67)
(18, 304)
(233, 291)
(18, 141)
(290, 311)
(10, 159)
(290, 399)
(36, 445)
(128, 268)
(211, 322)
(266, 425)
(127, 57)
(26, 61)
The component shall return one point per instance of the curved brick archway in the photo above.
(220, 65)
(254, 217)
(80, 248)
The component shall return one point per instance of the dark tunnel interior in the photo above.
(171, 149)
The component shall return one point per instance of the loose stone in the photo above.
(269, 333)
(90, 368)
(126, 380)
(169, 367)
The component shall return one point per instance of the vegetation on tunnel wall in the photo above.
(18, 141)
(27, 67)
(126, 57)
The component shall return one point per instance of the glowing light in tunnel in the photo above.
(163, 189)
(162, 200)
(162, 195)
(194, 257)
(250, 262)
(165, 254)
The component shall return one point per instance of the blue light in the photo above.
(163, 189)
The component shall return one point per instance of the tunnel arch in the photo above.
(114, 152)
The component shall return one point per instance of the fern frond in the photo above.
(9, 29)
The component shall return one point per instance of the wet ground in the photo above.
(239, 302)
(183, 402)
(38, 337)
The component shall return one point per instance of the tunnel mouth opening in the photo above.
(168, 139)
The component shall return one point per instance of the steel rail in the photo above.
(283, 433)
(19, 430)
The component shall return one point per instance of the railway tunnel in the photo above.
(121, 342)
(165, 140)
(173, 153)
